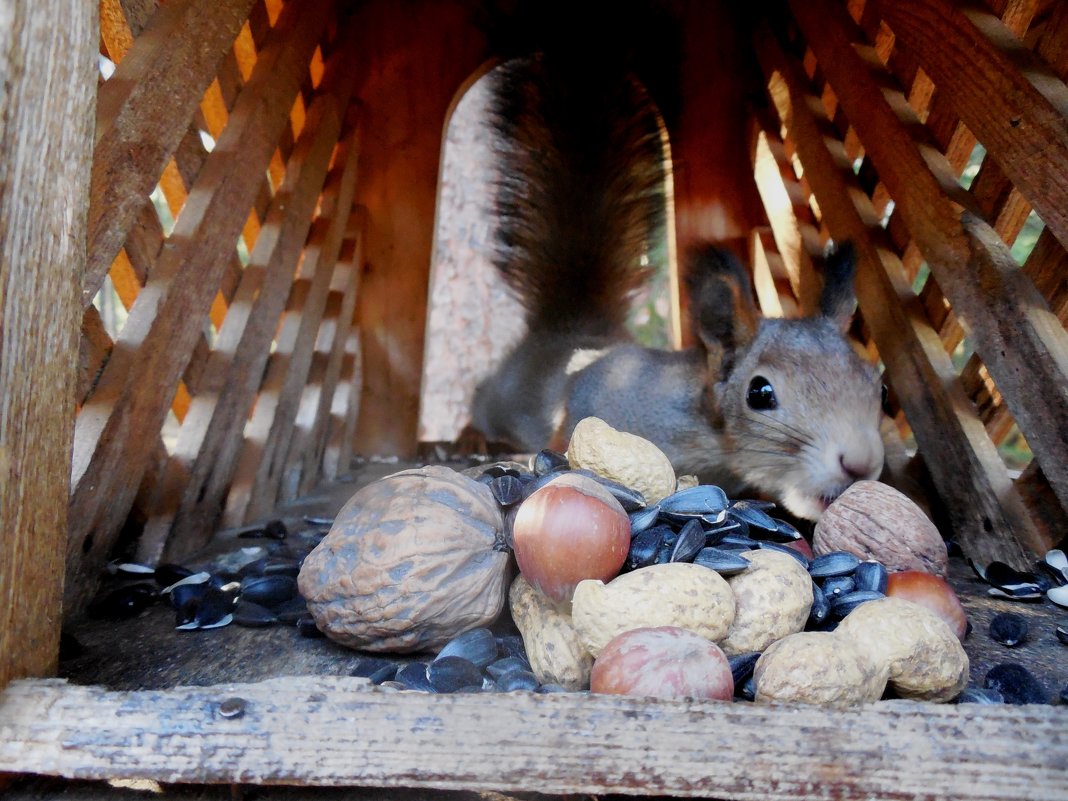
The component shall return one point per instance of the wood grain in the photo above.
(322, 730)
(1020, 341)
(140, 379)
(46, 94)
(1008, 98)
(968, 474)
(160, 81)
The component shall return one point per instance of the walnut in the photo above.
(875, 521)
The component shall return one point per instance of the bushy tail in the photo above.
(581, 188)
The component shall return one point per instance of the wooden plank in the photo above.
(309, 451)
(255, 483)
(186, 507)
(1022, 344)
(300, 731)
(970, 478)
(47, 93)
(797, 236)
(138, 384)
(1005, 95)
(159, 82)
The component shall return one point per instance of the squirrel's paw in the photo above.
(470, 442)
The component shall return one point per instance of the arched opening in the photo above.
(472, 318)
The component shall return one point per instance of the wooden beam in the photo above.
(300, 731)
(1021, 342)
(185, 511)
(254, 488)
(47, 94)
(142, 113)
(967, 472)
(139, 381)
(1008, 97)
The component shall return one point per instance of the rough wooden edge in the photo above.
(160, 80)
(138, 383)
(331, 731)
(967, 472)
(1021, 342)
(47, 98)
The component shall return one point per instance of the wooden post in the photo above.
(47, 92)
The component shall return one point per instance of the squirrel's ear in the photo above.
(722, 312)
(838, 299)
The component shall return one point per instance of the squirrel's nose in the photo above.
(854, 470)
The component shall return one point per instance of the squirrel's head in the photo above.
(799, 410)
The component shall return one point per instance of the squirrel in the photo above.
(784, 408)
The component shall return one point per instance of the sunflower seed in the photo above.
(835, 563)
(477, 646)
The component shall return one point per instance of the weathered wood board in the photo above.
(338, 730)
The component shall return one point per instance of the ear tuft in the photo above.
(722, 311)
(838, 299)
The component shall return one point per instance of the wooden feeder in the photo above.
(255, 200)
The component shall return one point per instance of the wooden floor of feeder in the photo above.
(142, 705)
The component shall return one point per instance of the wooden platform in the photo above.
(142, 704)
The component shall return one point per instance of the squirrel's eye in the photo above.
(884, 402)
(761, 395)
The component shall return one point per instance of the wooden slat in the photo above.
(1007, 97)
(185, 507)
(255, 484)
(301, 731)
(308, 449)
(1047, 267)
(988, 517)
(46, 93)
(797, 236)
(1022, 344)
(93, 353)
(344, 411)
(762, 253)
(158, 83)
(138, 384)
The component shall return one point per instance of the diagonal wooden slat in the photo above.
(232, 374)
(796, 234)
(160, 80)
(254, 488)
(309, 449)
(139, 381)
(1021, 342)
(965, 467)
(344, 410)
(1007, 97)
